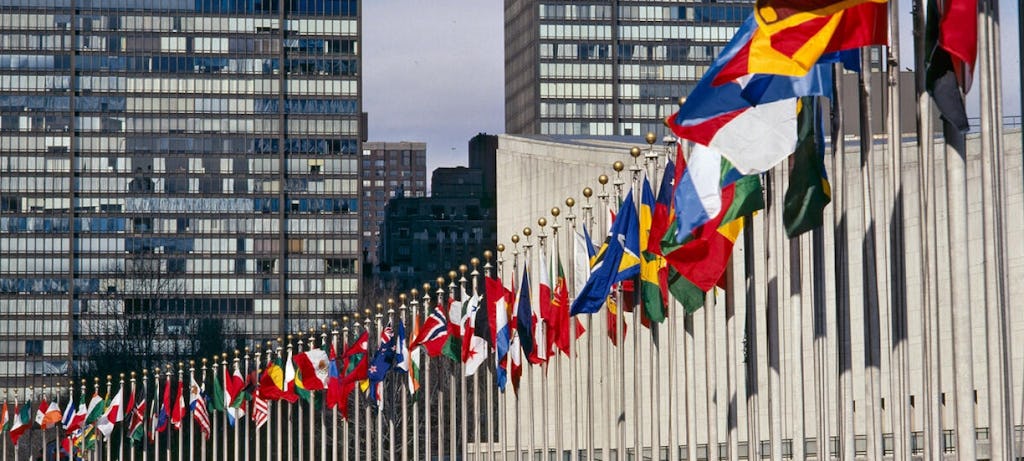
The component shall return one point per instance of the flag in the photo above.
(560, 335)
(499, 301)
(260, 412)
(382, 362)
(617, 260)
(78, 419)
(456, 310)
(272, 383)
(354, 366)
(22, 421)
(242, 394)
(793, 46)
(313, 369)
(197, 404)
(474, 331)
(544, 315)
(612, 321)
(951, 42)
(434, 334)
(51, 416)
(776, 15)
(414, 354)
(5, 422)
(333, 395)
(233, 385)
(750, 120)
(178, 412)
(41, 411)
(113, 414)
(95, 409)
(652, 288)
(663, 205)
(584, 252)
(524, 315)
(163, 415)
(69, 412)
(217, 396)
(401, 349)
(137, 427)
(809, 191)
(703, 259)
(698, 196)
(515, 359)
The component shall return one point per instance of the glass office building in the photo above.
(608, 67)
(177, 159)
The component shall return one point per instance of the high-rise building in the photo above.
(608, 67)
(173, 159)
(389, 170)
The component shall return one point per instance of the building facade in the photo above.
(181, 159)
(607, 67)
(388, 170)
(765, 369)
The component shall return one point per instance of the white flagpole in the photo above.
(156, 404)
(129, 414)
(843, 322)
(508, 359)
(638, 413)
(573, 360)
(899, 358)
(427, 420)
(560, 411)
(772, 254)
(323, 412)
(453, 384)
(588, 218)
(286, 421)
(503, 398)
(380, 408)
(245, 418)
(281, 419)
(345, 421)
(367, 428)
(357, 452)
(3, 444)
(441, 400)
(620, 327)
(238, 421)
(334, 411)
(1000, 396)
(820, 339)
(797, 331)
(731, 396)
(478, 415)
(932, 424)
(146, 417)
(191, 427)
(464, 395)
(257, 355)
(491, 417)
(311, 418)
(543, 264)
(224, 416)
(750, 335)
(202, 440)
(872, 263)
(528, 371)
(404, 430)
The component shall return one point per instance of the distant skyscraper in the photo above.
(181, 159)
(608, 67)
(389, 170)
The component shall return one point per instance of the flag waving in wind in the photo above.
(617, 260)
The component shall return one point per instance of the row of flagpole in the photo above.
(623, 415)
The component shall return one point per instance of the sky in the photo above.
(433, 71)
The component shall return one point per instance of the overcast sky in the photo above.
(433, 71)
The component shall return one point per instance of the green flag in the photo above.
(809, 191)
(217, 394)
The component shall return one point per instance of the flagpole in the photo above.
(367, 428)
(426, 386)
(3, 443)
(770, 261)
(463, 394)
(559, 439)
(620, 327)
(404, 450)
(355, 395)
(654, 359)
(573, 361)
(926, 196)
(588, 217)
(840, 223)
(380, 409)
(474, 275)
(1000, 411)
(452, 383)
(638, 416)
(900, 388)
(440, 400)
(732, 426)
(516, 429)
(492, 417)
(502, 402)
(540, 350)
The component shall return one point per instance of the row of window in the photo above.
(702, 13)
(174, 267)
(185, 85)
(309, 173)
(172, 144)
(164, 64)
(238, 286)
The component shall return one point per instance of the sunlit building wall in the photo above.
(188, 158)
(607, 67)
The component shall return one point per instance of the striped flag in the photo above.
(136, 428)
(434, 334)
(260, 412)
(197, 403)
